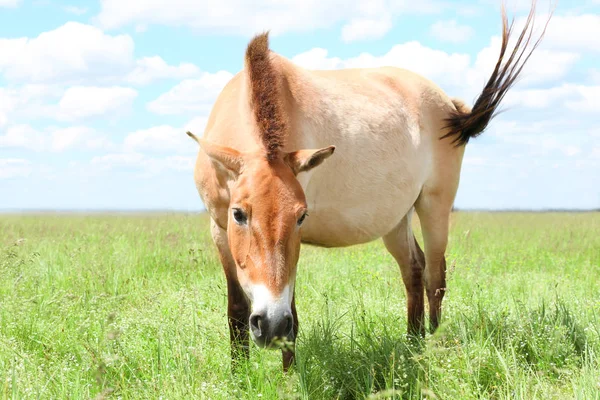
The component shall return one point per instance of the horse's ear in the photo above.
(226, 157)
(305, 160)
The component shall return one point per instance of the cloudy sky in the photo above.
(95, 96)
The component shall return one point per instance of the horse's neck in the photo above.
(308, 108)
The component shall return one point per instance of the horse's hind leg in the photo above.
(402, 244)
(434, 213)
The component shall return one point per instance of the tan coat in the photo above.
(399, 142)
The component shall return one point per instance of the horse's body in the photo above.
(385, 124)
(393, 133)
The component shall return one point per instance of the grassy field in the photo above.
(134, 306)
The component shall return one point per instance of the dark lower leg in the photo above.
(415, 314)
(288, 354)
(434, 214)
(436, 289)
(402, 245)
(415, 296)
(238, 312)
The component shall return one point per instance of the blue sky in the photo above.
(95, 96)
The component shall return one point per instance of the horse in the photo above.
(266, 174)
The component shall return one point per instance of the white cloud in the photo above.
(7, 105)
(14, 168)
(166, 138)
(158, 139)
(191, 95)
(75, 10)
(149, 69)
(588, 99)
(148, 165)
(365, 28)
(245, 17)
(543, 66)
(451, 31)
(572, 32)
(77, 137)
(88, 101)
(66, 138)
(113, 160)
(80, 54)
(9, 3)
(53, 139)
(196, 126)
(574, 97)
(317, 58)
(70, 53)
(434, 64)
(556, 138)
(179, 163)
(456, 73)
(76, 102)
(538, 98)
(23, 136)
(25, 101)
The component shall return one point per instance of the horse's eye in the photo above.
(239, 216)
(301, 220)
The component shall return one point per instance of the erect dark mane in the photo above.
(265, 95)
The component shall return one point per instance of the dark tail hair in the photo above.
(465, 125)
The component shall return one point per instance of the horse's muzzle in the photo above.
(272, 331)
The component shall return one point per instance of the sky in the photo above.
(96, 96)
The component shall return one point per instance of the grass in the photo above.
(134, 306)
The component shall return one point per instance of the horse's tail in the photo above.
(465, 123)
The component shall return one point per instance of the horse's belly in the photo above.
(349, 211)
(375, 175)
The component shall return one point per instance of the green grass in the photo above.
(134, 306)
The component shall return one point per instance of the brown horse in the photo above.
(399, 142)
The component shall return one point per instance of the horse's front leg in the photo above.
(238, 313)
(289, 352)
(238, 309)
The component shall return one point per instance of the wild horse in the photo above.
(399, 142)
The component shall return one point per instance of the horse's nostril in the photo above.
(289, 324)
(257, 324)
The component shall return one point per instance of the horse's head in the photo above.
(267, 206)
(265, 216)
